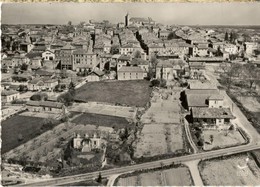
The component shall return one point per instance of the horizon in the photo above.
(203, 14)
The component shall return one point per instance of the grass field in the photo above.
(158, 139)
(101, 120)
(232, 171)
(171, 177)
(221, 139)
(12, 128)
(130, 93)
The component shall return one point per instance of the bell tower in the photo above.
(126, 20)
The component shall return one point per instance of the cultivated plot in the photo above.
(171, 177)
(233, 171)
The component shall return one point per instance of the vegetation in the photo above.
(39, 97)
(130, 93)
(102, 120)
(19, 129)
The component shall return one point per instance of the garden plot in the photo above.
(158, 139)
(162, 111)
(171, 177)
(47, 146)
(222, 139)
(233, 171)
(98, 108)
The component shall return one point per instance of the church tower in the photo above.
(126, 20)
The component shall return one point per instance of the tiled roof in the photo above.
(139, 61)
(216, 97)
(197, 100)
(133, 69)
(199, 85)
(45, 104)
(219, 113)
(8, 92)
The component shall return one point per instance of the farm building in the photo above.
(46, 106)
(95, 75)
(9, 96)
(87, 142)
(130, 73)
(212, 116)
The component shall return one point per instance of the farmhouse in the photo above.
(130, 73)
(95, 75)
(87, 142)
(46, 106)
(209, 116)
(9, 96)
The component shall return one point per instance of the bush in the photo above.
(39, 97)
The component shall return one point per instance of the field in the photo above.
(171, 177)
(101, 120)
(162, 132)
(164, 108)
(48, 146)
(158, 139)
(97, 108)
(130, 93)
(23, 126)
(233, 171)
(220, 139)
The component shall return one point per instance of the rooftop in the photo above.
(201, 85)
(130, 69)
(45, 104)
(220, 113)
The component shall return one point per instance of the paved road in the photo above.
(147, 165)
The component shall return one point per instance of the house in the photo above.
(143, 64)
(197, 69)
(46, 106)
(230, 48)
(84, 59)
(87, 143)
(250, 47)
(164, 34)
(39, 83)
(169, 69)
(212, 116)
(65, 56)
(130, 73)
(129, 49)
(8, 96)
(48, 55)
(200, 49)
(27, 47)
(199, 93)
(95, 75)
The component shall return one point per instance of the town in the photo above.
(134, 103)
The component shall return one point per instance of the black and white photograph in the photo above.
(130, 94)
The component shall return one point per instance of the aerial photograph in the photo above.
(130, 94)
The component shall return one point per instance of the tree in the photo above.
(226, 36)
(211, 137)
(99, 179)
(69, 23)
(250, 74)
(172, 35)
(114, 49)
(39, 97)
(24, 67)
(229, 72)
(72, 90)
(137, 54)
(20, 137)
(66, 98)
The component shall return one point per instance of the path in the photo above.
(193, 166)
(111, 179)
(187, 130)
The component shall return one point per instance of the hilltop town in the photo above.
(130, 104)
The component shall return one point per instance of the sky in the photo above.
(166, 13)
